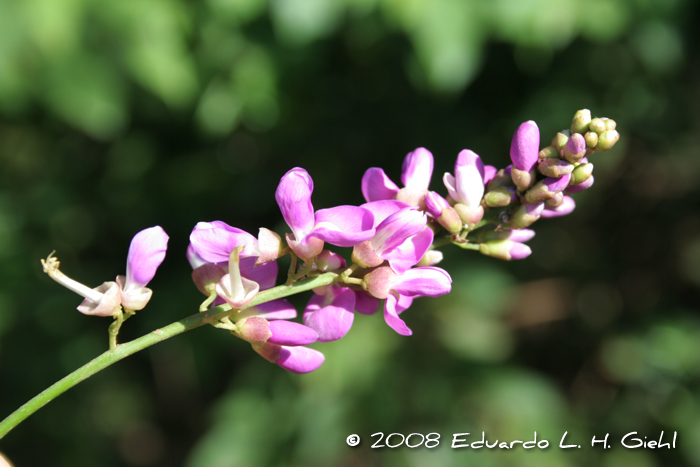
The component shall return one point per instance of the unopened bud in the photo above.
(608, 139)
(547, 188)
(430, 258)
(526, 215)
(555, 201)
(591, 139)
(550, 152)
(597, 125)
(502, 178)
(581, 173)
(575, 148)
(573, 189)
(581, 120)
(329, 261)
(610, 124)
(523, 180)
(450, 220)
(505, 249)
(469, 215)
(364, 255)
(499, 197)
(555, 168)
(561, 139)
(378, 282)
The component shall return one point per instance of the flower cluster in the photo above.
(394, 238)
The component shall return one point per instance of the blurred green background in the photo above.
(116, 116)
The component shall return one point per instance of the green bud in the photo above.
(556, 200)
(450, 220)
(581, 173)
(501, 179)
(550, 152)
(610, 124)
(591, 139)
(523, 180)
(499, 197)
(555, 168)
(608, 139)
(538, 193)
(525, 216)
(597, 125)
(581, 120)
(561, 139)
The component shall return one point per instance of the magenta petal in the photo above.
(489, 173)
(557, 184)
(525, 146)
(377, 186)
(365, 303)
(417, 169)
(395, 229)
(427, 282)
(291, 333)
(391, 316)
(265, 274)
(383, 209)
(344, 225)
(330, 322)
(214, 241)
(146, 252)
(573, 189)
(410, 252)
(521, 235)
(435, 203)
(566, 207)
(519, 251)
(293, 196)
(299, 359)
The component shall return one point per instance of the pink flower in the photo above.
(415, 175)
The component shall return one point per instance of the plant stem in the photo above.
(121, 351)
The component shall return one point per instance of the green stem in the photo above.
(211, 316)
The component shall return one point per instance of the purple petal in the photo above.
(417, 169)
(276, 309)
(391, 315)
(395, 229)
(519, 251)
(576, 144)
(566, 207)
(469, 184)
(525, 146)
(214, 241)
(468, 158)
(573, 189)
(265, 274)
(426, 282)
(410, 252)
(557, 184)
(521, 235)
(290, 333)
(332, 321)
(377, 186)
(344, 225)
(435, 203)
(383, 209)
(365, 303)
(489, 173)
(193, 258)
(299, 359)
(293, 196)
(146, 252)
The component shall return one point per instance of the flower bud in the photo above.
(550, 152)
(270, 246)
(575, 148)
(526, 215)
(555, 168)
(547, 188)
(561, 139)
(566, 207)
(378, 282)
(554, 201)
(502, 178)
(573, 189)
(505, 249)
(581, 120)
(365, 255)
(450, 220)
(328, 261)
(597, 125)
(255, 330)
(610, 124)
(430, 258)
(525, 146)
(469, 215)
(591, 139)
(608, 139)
(499, 197)
(523, 180)
(581, 173)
